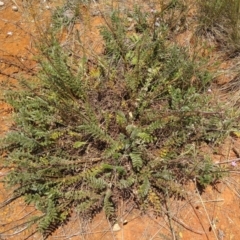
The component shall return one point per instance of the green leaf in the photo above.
(137, 161)
(121, 118)
(144, 188)
(56, 135)
(108, 205)
(145, 137)
(78, 144)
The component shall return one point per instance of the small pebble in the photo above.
(9, 33)
(15, 8)
(2, 3)
(116, 227)
(68, 14)
(48, 7)
(125, 222)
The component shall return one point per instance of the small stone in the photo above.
(68, 14)
(15, 8)
(9, 33)
(2, 3)
(125, 222)
(116, 227)
(48, 7)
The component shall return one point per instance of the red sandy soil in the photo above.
(213, 215)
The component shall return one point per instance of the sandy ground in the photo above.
(213, 215)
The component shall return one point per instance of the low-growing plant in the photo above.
(66, 15)
(124, 124)
(222, 19)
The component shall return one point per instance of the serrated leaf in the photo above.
(121, 118)
(144, 188)
(145, 137)
(137, 161)
(130, 128)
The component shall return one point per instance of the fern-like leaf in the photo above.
(97, 183)
(108, 205)
(137, 161)
(97, 132)
(113, 150)
(144, 188)
(126, 183)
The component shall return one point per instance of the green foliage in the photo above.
(66, 15)
(222, 18)
(144, 188)
(108, 205)
(78, 144)
(208, 173)
(137, 161)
